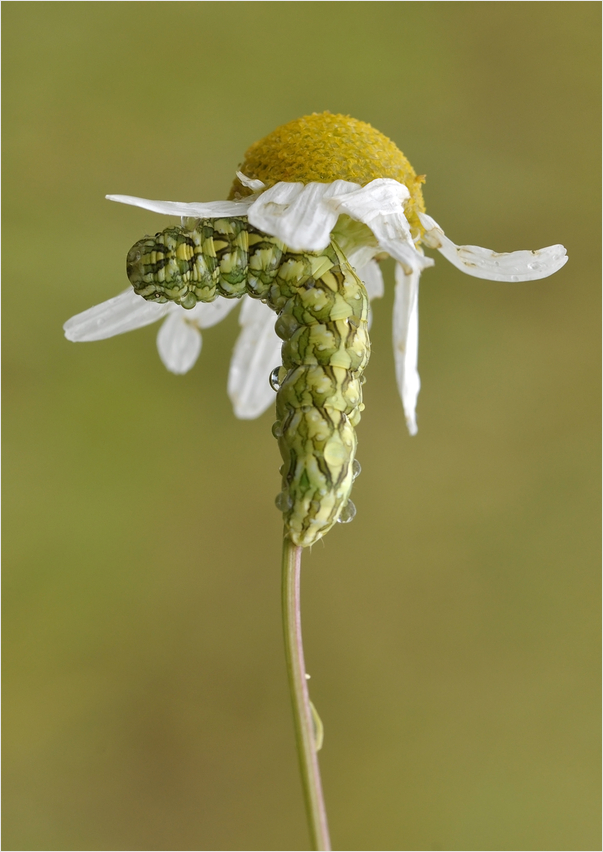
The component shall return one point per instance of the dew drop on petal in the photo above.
(356, 469)
(348, 513)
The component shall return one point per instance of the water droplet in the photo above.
(274, 379)
(283, 501)
(286, 326)
(356, 469)
(277, 429)
(348, 513)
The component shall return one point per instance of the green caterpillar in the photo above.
(322, 309)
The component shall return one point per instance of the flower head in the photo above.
(318, 179)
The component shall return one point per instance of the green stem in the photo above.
(302, 713)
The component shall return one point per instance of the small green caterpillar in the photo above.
(322, 309)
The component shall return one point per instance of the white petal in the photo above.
(195, 209)
(251, 183)
(372, 278)
(406, 342)
(302, 216)
(358, 255)
(115, 316)
(484, 263)
(379, 205)
(178, 342)
(407, 255)
(206, 314)
(257, 352)
(380, 198)
(370, 275)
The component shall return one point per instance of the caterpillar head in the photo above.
(153, 266)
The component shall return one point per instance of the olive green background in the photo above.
(451, 630)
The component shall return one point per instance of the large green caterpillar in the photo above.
(322, 309)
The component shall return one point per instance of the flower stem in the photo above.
(302, 712)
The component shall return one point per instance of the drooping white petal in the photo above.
(406, 342)
(251, 183)
(494, 266)
(358, 256)
(372, 278)
(380, 200)
(302, 216)
(370, 275)
(194, 209)
(257, 352)
(178, 342)
(206, 314)
(407, 255)
(115, 316)
(379, 205)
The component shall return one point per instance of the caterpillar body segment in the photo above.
(322, 309)
(204, 259)
(319, 400)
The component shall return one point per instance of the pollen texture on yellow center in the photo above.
(324, 147)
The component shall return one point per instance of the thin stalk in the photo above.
(302, 713)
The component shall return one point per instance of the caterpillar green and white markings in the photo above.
(322, 309)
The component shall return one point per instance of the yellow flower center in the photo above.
(324, 147)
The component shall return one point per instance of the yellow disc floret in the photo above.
(324, 147)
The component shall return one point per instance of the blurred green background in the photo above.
(451, 630)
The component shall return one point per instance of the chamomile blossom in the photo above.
(319, 179)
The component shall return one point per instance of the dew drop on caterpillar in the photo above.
(322, 309)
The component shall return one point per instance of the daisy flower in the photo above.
(318, 179)
(314, 198)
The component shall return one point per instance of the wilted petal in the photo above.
(206, 314)
(257, 352)
(370, 275)
(115, 316)
(406, 342)
(381, 200)
(301, 216)
(178, 342)
(494, 266)
(358, 256)
(372, 278)
(406, 255)
(251, 183)
(379, 205)
(194, 209)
